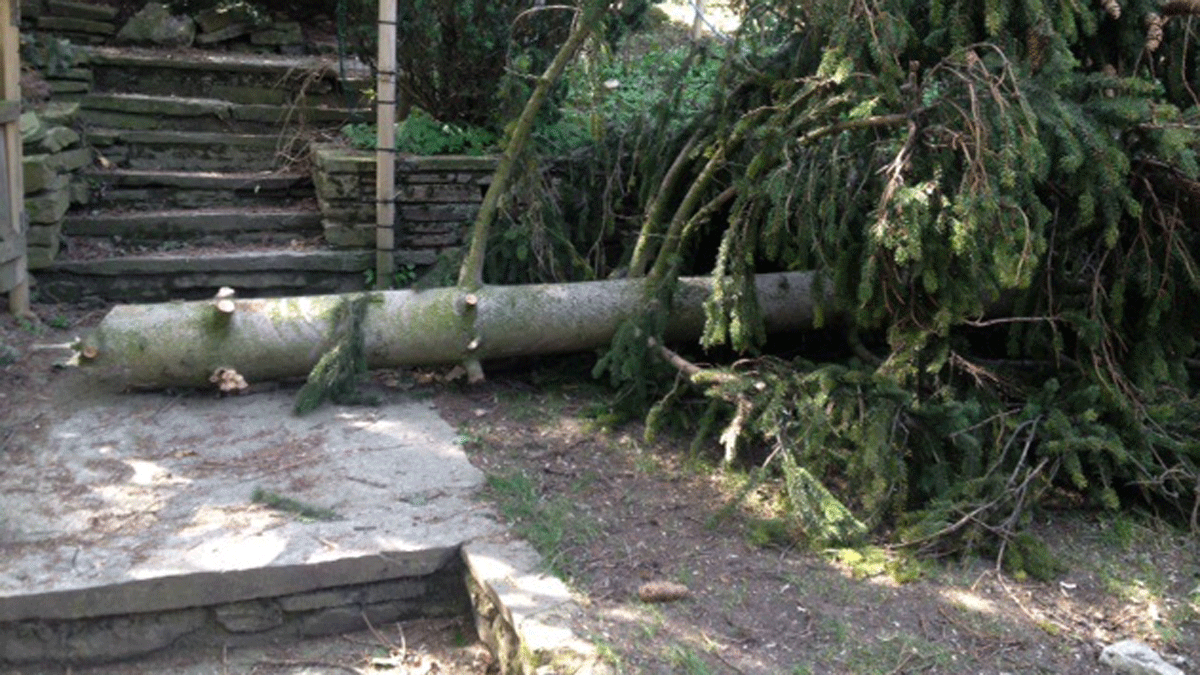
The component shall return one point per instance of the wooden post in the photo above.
(698, 22)
(14, 272)
(385, 171)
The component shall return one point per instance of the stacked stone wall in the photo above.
(437, 198)
(258, 621)
(53, 156)
(236, 26)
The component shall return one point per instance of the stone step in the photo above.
(139, 190)
(159, 226)
(150, 112)
(255, 79)
(196, 273)
(174, 150)
(91, 11)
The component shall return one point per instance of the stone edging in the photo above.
(527, 617)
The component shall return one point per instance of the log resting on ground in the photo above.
(184, 343)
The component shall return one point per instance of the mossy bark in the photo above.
(182, 343)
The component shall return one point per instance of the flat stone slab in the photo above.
(194, 222)
(129, 524)
(83, 10)
(211, 61)
(146, 104)
(252, 261)
(145, 502)
(260, 180)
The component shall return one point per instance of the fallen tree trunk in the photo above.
(185, 343)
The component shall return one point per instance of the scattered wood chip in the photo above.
(228, 380)
(662, 591)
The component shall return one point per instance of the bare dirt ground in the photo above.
(611, 513)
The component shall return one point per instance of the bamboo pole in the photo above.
(385, 172)
(14, 219)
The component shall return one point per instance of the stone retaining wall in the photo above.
(53, 156)
(326, 611)
(154, 24)
(437, 198)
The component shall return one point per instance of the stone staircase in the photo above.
(201, 177)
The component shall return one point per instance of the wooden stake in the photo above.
(10, 92)
(385, 172)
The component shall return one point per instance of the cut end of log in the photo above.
(224, 299)
(228, 381)
(471, 299)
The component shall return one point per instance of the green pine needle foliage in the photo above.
(1003, 194)
(335, 376)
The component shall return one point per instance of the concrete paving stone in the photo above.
(189, 472)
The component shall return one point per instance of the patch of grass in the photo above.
(59, 322)
(548, 524)
(30, 326)
(651, 628)
(1120, 532)
(899, 653)
(833, 628)
(526, 406)
(605, 651)
(273, 500)
(646, 463)
(471, 438)
(687, 662)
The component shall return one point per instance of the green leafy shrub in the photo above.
(421, 134)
